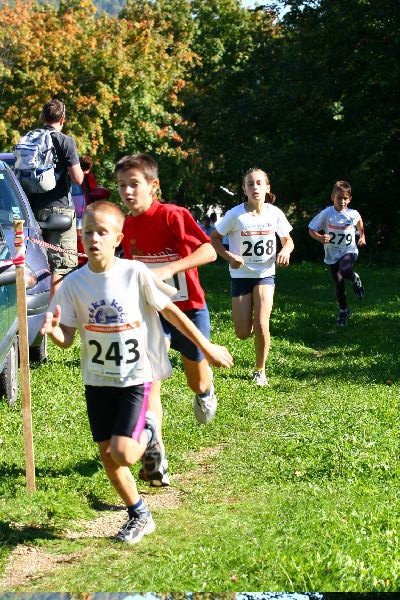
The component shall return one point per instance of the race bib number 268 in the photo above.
(257, 246)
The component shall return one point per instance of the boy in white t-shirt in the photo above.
(114, 303)
(251, 228)
(337, 224)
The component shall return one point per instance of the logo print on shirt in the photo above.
(105, 314)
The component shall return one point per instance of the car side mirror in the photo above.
(8, 274)
(56, 222)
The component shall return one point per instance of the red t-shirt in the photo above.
(89, 183)
(164, 233)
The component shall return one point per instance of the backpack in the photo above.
(35, 160)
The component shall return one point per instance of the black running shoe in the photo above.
(343, 317)
(160, 478)
(153, 455)
(358, 287)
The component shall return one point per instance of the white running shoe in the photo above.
(260, 378)
(135, 528)
(205, 406)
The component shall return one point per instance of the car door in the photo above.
(8, 324)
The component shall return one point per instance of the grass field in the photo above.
(294, 487)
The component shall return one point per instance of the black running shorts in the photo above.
(117, 411)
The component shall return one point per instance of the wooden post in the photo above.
(19, 261)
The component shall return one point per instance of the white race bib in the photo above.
(178, 281)
(341, 236)
(115, 350)
(257, 246)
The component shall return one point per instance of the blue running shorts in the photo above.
(201, 318)
(241, 286)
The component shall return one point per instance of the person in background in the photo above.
(82, 195)
(252, 228)
(59, 199)
(334, 227)
(206, 225)
(89, 180)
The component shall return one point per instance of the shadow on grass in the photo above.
(11, 535)
(13, 476)
(69, 363)
(304, 316)
(86, 468)
(10, 470)
(366, 350)
(101, 506)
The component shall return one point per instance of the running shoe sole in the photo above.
(153, 455)
(358, 288)
(159, 479)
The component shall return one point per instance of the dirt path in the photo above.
(28, 563)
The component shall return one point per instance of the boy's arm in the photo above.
(233, 259)
(201, 256)
(360, 229)
(283, 257)
(324, 238)
(218, 356)
(62, 335)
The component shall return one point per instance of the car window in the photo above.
(11, 206)
(4, 250)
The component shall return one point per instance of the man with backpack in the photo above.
(46, 172)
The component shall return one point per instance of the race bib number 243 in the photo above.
(114, 350)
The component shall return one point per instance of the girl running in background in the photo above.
(251, 228)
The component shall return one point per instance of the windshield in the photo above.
(11, 206)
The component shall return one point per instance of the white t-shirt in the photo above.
(253, 237)
(115, 312)
(340, 225)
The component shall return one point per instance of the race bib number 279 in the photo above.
(341, 236)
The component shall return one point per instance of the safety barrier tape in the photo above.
(57, 248)
(19, 258)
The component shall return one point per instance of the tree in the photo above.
(216, 100)
(119, 78)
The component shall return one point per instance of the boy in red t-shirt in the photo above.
(167, 239)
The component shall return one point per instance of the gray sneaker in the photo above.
(154, 453)
(205, 407)
(135, 528)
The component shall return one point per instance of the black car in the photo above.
(14, 205)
